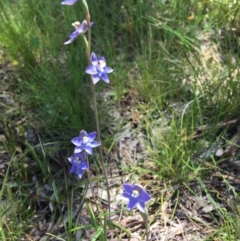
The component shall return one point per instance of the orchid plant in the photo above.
(135, 194)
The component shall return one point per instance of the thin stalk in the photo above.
(144, 216)
(88, 52)
(147, 228)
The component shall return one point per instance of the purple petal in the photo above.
(95, 144)
(95, 78)
(83, 27)
(128, 188)
(69, 41)
(79, 167)
(68, 2)
(105, 77)
(103, 61)
(82, 134)
(91, 136)
(84, 165)
(88, 149)
(80, 155)
(132, 203)
(78, 149)
(76, 141)
(91, 70)
(94, 59)
(73, 169)
(141, 207)
(144, 196)
(126, 195)
(80, 173)
(71, 159)
(74, 34)
(108, 70)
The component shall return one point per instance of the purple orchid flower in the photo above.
(79, 164)
(85, 142)
(80, 29)
(136, 196)
(68, 2)
(98, 69)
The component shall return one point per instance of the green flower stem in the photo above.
(85, 6)
(88, 52)
(144, 216)
(84, 40)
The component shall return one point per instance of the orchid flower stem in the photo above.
(144, 216)
(96, 113)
